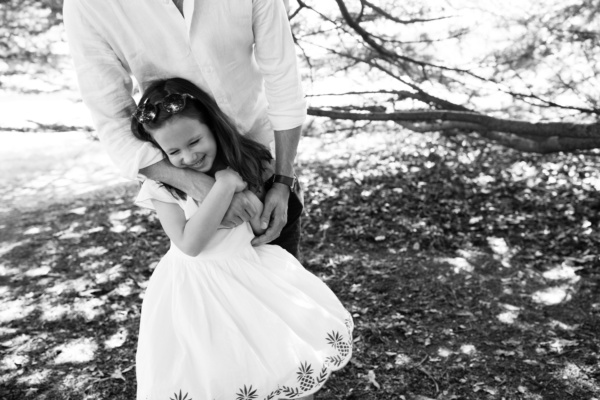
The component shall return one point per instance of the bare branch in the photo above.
(553, 144)
(486, 122)
(440, 126)
(424, 96)
(387, 15)
(300, 7)
(390, 55)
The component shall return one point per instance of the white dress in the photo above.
(236, 322)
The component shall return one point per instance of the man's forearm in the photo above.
(194, 183)
(286, 147)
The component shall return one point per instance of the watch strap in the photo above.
(286, 180)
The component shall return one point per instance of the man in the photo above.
(239, 51)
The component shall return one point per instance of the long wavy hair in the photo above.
(243, 155)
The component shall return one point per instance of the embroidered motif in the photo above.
(178, 397)
(307, 380)
(337, 341)
(246, 393)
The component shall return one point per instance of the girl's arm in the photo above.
(192, 236)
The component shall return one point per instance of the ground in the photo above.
(471, 271)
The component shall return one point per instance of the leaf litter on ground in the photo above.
(470, 270)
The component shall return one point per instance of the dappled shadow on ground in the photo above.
(471, 270)
(72, 279)
(470, 274)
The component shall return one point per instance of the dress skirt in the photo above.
(238, 323)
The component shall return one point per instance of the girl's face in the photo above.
(188, 143)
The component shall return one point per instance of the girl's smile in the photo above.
(188, 143)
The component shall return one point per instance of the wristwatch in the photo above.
(286, 180)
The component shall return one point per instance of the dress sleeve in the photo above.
(153, 190)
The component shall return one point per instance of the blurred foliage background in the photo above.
(502, 70)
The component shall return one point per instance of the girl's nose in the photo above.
(188, 158)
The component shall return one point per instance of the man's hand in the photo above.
(274, 215)
(241, 209)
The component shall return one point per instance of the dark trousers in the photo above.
(289, 238)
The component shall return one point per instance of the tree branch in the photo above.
(486, 122)
(390, 55)
(387, 15)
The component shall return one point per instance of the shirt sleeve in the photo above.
(152, 190)
(276, 57)
(106, 89)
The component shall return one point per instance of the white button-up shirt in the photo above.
(240, 51)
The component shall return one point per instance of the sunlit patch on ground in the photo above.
(53, 312)
(35, 378)
(402, 360)
(124, 289)
(34, 230)
(117, 339)
(444, 352)
(94, 265)
(5, 247)
(468, 349)
(70, 232)
(559, 345)
(458, 264)
(75, 351)
(110, 274)
(553, 295)
(561, 325)
(524, 171)
(92, 251)
(502, 252)
(15, 309)
(13, 361)
(117, 218)
(5, 270)
(509, 315)
(86, 308)
(562, 272)
(39, 271)
(74, 285)
(577, 376)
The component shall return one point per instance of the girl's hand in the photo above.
(231, 177)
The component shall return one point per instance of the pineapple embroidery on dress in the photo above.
(307, 381)
(246, 393)
(179, 397)
(336, 340)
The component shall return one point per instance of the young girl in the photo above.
(223, 320)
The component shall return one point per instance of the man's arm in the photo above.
(196, 184)
(274, 214)
(106, 89)
(276, 57)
